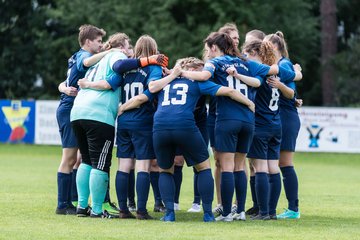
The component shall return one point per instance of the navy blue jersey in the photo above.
(76, 71)
(200, 112)
(226, 108)
(285, 102)
(136, 82)
(177, 101)
(267, 111)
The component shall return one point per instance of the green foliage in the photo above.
(38, 36)
(348, 67)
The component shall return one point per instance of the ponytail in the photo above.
(224, 42)
(278, 40)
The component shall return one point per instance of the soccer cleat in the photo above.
(195, 208)
(159, 207)
(126, 215)
(143, 216)
(273, 216)
(234, 209)
(260, 217)
(69, 210)
(239, 216)
(252, 211)
(110, 208)
(75, 203)
(168, 217)
(83, 212)
(132, 206)
(104, 214)
(209, 217)
(222, 218)
(218, 209)
(289, 214)
(176, 206)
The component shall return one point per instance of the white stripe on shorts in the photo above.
(104, 152)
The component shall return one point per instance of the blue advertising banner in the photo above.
(17, 121)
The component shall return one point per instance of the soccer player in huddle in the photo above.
(134, 132)
(291, 126)
(265, 148)
(90, 41)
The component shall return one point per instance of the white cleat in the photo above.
(176, 206)
(221, 218)
(195, 208)
(218, 209)
(239, 216)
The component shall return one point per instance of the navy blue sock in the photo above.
(275, 190)
(196, 189)
(142, 190)
(167, 190)
(227, 191)
(154, 180)
(63, 182)
(262, 192)
(178, 180)
(291, 187)
(205, 184)
(253, 192)
(131, 189)
(240, 189)
(74, 194)
(121, 184)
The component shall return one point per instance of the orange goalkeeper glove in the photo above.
(159, 59)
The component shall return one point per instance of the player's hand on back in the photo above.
(231, 71)
(297, 67)
(298, 102)
(71, 91)
(83, 83)
(274, 81)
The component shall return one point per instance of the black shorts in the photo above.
(96, 141)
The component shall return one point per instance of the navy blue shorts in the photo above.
(290, 123)
(204, 133)
(189, 141)
(233, 136)
(135, 144)
(68, 139)
(266, 143)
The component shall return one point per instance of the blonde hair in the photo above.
(90, 32)
(278, 40)
(145, 46)
(264, 49)
(116, 40)
(228, 28)
(190, 62)
(255, 34)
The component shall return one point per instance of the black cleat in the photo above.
(143, 216)
(83, 212)
(273, 216)
(69, 210)
(260, 217)
(126, 215)
(252, 211)
(159, 207)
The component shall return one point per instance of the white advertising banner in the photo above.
(325, 129)
(46, 126)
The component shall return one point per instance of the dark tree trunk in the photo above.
(328, 49)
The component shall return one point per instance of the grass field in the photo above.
(329, 203)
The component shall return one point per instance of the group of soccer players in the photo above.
(162, 121)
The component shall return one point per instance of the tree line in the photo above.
(38, 36)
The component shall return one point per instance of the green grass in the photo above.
(329, 201)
